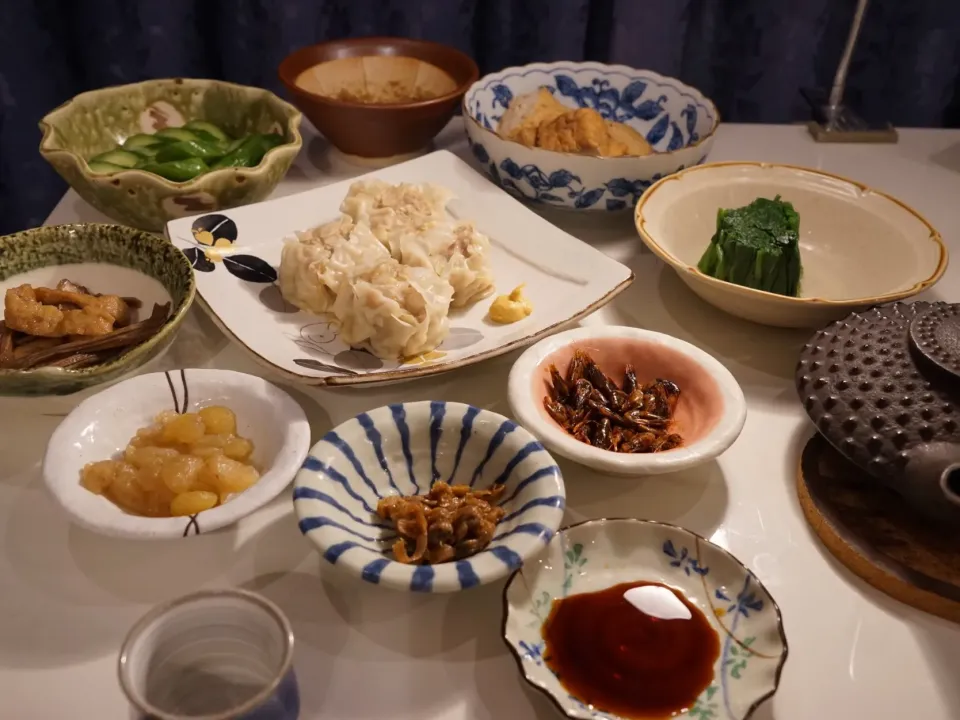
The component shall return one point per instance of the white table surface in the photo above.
(67, 596)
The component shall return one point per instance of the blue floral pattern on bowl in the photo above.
(403, 449)
(677, 120)
(600, 553)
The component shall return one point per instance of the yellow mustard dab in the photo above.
(511, 308)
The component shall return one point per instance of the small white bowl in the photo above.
(599, 554)
(710, 413)
(677, 120)
(101, 426)
(858, 246)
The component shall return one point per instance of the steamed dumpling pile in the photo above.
(389, 268)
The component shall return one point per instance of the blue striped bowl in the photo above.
(402, 450)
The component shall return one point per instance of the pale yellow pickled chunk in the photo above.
(125, 491)
(184, 429)
(181, 474)
(193, 502)
(230, 476)
(97, 476)
(180, 465)
(238, 448)
(205, 452)
(211, 441)
(219, 420)
(157, 503)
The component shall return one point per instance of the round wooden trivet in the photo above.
(871, 531)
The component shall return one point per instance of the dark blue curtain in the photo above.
(750, 56)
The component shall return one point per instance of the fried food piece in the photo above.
(527, 113)
(636, 144)
(34, 311)
(450, 522)
(579, 131)
(633, 418)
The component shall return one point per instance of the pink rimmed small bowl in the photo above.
(709, 415)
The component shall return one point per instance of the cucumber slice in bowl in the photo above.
(142, 140)
(123, 158)
(177, 170)
(98, 167)
(190, 149)
(176, 133)
(202, 127)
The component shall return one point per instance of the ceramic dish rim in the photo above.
(693, 271)
(170, 325)
(591, 65)
(293, 119)
(505, 607)
(158, 611)
(290, 456)
(714, 443)
(443, 583)
(461, 89)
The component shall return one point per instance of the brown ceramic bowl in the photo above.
(378, 129)
(709, 415)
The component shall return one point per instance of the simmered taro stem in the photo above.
(591, 407)
(756, 246)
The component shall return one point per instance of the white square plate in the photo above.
(565, 278)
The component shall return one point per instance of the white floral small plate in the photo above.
(598, 554)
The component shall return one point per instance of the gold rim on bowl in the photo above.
(681, 266)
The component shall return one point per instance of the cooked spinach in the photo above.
(757, 246)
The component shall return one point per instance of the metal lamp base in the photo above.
(841, 124)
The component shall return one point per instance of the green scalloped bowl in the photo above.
(106, 258)
(99, 120)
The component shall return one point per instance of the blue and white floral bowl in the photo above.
(676, 119)
(598, 554)
(403, 449)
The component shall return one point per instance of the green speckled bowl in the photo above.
(97, 121)
(109, 259)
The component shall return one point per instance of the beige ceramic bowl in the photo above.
(859, 247)
(99, 120)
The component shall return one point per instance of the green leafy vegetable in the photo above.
(757, 246)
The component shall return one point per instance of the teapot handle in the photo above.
(931, 482)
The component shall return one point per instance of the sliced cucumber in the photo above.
(178, 170)
(177, 133)
(194, 149)
(234, 145)
(98, 167)
(123, 158)
(141, 140)
(203, 127)
(148, 152)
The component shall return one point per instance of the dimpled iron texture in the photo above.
(936, 334)
(860, 382)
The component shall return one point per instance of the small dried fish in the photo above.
(591, 407)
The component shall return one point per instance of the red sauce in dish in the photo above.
(637, 650)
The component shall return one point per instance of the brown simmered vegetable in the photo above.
(631, 418)
(450, 522)
(70, 327)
